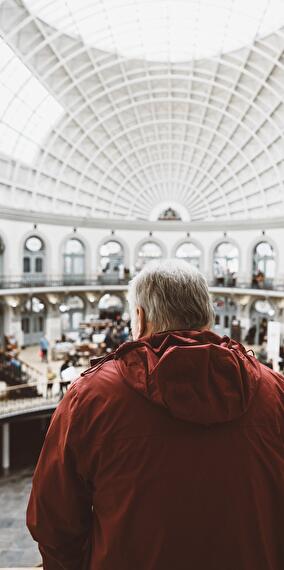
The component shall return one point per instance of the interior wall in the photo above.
(54, 236)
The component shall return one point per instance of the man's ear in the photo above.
(141, 321)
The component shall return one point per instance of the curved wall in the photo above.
(13, 234)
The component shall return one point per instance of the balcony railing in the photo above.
(272, 285)
(22, 387)
(26, 282)
(56, 281)
(22, 374)
(25, 398)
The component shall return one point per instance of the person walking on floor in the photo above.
(44, 345)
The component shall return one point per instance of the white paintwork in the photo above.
(5, 446)
(14, 234)
(205, 133)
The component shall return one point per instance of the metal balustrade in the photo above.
(22, 282)
(14, 400)
(14, 375)
(23, 390)
(53, 281)
(276, 285)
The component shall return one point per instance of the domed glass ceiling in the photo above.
(87, 132)
(163, 30)
(27, 110)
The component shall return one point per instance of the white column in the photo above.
(53, 325)
(8, 318)
(13, 323)
(6, 447)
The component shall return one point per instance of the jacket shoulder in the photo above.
(268, 408)
(102, 380)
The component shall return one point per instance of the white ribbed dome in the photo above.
(102, 134)
(163, 30)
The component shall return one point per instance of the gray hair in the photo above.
(173, 294)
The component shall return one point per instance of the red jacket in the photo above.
(167, 455)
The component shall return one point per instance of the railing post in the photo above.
(6, 447)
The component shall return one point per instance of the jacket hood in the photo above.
(198, 377)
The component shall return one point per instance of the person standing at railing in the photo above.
(168, 453)
(44, 345)
(50, 376)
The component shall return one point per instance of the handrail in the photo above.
(30, 367)
(25, 369)
(17, 387)
(23, 282)
(23, 390)
(11, 406)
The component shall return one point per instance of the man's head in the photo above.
(169, 295)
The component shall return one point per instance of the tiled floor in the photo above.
(17, 548)
(30, 355)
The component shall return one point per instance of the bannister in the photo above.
(56, 281)
(24, 372)
(22, 388)
(23, 282)
(15, 401)
(277, 285)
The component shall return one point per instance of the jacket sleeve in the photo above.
(59, 514)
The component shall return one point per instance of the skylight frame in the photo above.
(28, 111)
(163, 30)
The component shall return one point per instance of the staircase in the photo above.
(23, 380)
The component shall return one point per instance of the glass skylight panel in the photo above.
(140, 137)
(163, 30)
(27, 112)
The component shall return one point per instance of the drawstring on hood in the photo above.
(198, 377)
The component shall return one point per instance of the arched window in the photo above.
(263, 265)
(225, 314)
(169, 214)
(262, 311)
(72, 313)
(226, 264)
(33, 320)
(110, 306)
(74, 259)
(112, 265)
(189, 252)
(148, 251)
(34, 257)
